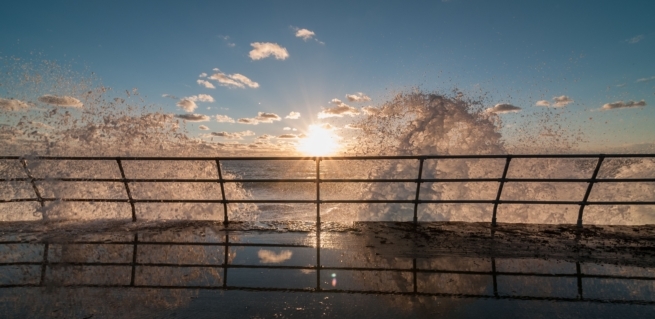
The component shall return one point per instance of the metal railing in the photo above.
(416, 281)
(318, 180)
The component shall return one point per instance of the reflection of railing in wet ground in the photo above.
(133, 267)
(318, 180)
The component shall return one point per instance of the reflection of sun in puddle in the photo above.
(270, 257)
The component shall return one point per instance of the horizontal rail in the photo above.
(331, 180)
(331, 201)
(325, 158)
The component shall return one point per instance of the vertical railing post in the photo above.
(220, 180)
(36, 189)
(318, 223)
(134, 252)
(579, 275)
(500, 191)
(418, 190)
(127, 188)
(44, 264)
(227, 255)
(493, 273)
(601, 157)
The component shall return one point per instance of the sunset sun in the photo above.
(319, 142)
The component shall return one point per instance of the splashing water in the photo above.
(412, 123)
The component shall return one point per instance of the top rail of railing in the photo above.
(335, 158)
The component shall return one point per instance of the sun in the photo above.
(319, 142)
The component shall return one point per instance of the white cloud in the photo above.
(206, 84)
(193, 117)
(12, 104)
(645, 79)
(635, 39)
(168, 96)
(202, 127)
(270, 257)
(561, 101)
(263, 50)
(187, 105)
(370, 110)
(339, 110)
(265, 137)
(232, 80)
(623, 105)
(67, 101)
(543, 103)
(287, 129)
(262, 117)
(293, 116)
(358, 97)
(202, 75)
(224, 119)
(233, 136)
(503, 108)
(226, 38)
(304, 34)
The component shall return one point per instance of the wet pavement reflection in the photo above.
(188, 270)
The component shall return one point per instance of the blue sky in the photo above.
(517, 52)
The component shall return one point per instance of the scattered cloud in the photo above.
(623, 105)
(561, 101)
(226, 38)
(12, 105)
(370, 110)
(233, 136)
(293, 116)
(262, 117)
(288, 136)
(168, 96)
(339, 110)
(66, 101)
(235, 80)
(620, 85)
(206, 84)
(327, 126)
(503, 108)
(263, 50)
(645, 79)
(265, 137)
(224, 119)
(187, 105)
(270, 257)
(304, 34)
(202, 127)
(193, 117)
(543, 103)
(202, 75)
(635, 39)
(286, 129)
(358, 97)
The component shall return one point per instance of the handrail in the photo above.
(125, 180)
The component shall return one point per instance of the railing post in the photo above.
(579, 275)
(493, 273)
(44, 264)
(220, 180)
(318, 224)
(36, 189)
(134, 251)
(601, 157)
(226, 258)
(500, 191)
(418, 189)
(127, 188)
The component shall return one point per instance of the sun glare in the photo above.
(319, 142)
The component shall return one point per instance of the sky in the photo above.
(248, 68)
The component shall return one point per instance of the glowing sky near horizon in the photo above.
(239, 71)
